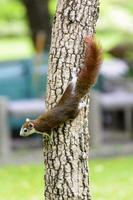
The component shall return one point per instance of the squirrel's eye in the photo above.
(25, 129)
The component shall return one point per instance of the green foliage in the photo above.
(115, 22)
(110, 179)
(11, 10)
(52, 6)
(12, 18)
(15, 48)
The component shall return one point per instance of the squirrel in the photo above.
(70, 103)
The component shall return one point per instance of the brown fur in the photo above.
(67, 107)
(89, 73)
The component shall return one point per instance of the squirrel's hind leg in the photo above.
(82, 105)
(74, 78)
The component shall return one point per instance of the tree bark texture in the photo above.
(39, 19)
(66, 157)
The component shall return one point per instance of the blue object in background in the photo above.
(21, 79)
(16, 79)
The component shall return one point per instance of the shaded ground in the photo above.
(30, 151)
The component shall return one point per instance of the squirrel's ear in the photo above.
(27, 120)
(31, 126)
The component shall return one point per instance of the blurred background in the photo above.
(25, 31)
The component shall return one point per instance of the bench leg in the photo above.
(128, 122)
(95, 120)
(5, 142)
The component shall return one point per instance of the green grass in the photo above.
(111, 179)
(21, 183)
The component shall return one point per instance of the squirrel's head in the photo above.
(28, 128)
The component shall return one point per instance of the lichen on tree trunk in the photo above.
(66, 158)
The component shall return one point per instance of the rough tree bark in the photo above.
(66, 157)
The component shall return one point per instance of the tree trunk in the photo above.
(66, 157)
(39, 19)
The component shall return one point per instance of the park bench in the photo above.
(112, 101)
(20, 96)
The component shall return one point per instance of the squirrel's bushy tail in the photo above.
(89, 73)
